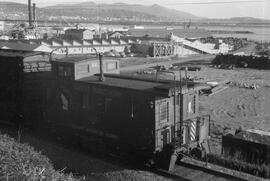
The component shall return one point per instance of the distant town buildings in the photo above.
(71, 47)
(91, 38)
(80, 34)
(115, 34)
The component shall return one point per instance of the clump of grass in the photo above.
(21, 162)
(233, 163)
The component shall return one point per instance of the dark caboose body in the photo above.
(143, 115)
(112, 111)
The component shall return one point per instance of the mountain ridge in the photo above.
(90, 11)
(115, 10)
(153, 10)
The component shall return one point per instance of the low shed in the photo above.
(73, 68)
(250, 145)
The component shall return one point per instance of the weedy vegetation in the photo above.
(238, 165)
(21, 162)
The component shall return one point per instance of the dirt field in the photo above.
(238, 106)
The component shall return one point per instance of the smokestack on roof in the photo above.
(29, 13)
(34, 12)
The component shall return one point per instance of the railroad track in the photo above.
(190, 172)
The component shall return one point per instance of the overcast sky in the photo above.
(202, 8)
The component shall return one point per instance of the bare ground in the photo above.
(237, 106)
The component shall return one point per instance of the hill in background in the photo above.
(92, 11)
(117, 12)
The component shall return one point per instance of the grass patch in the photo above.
(242, 61)
(21, 162)
(232, 163)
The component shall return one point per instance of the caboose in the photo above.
(109, 110)
(142, 115)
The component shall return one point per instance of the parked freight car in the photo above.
(26, 80)
(23, 79)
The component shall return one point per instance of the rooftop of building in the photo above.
(19, 54)
(73, 42)
(76, 59)
(160, 87)
(26, 47)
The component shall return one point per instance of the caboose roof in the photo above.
(161, 87)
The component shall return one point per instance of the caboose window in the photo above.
(85, 104)
(191, 105)
(164, 112)
(107, 104)
(177, 99)
(94, 65)
(194, 104)
(64, 102)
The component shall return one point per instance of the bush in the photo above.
(242, 61)
(21, 162)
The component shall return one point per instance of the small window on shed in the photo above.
(95, 65)
(164, 112)
(81, 69)
(111, 66)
